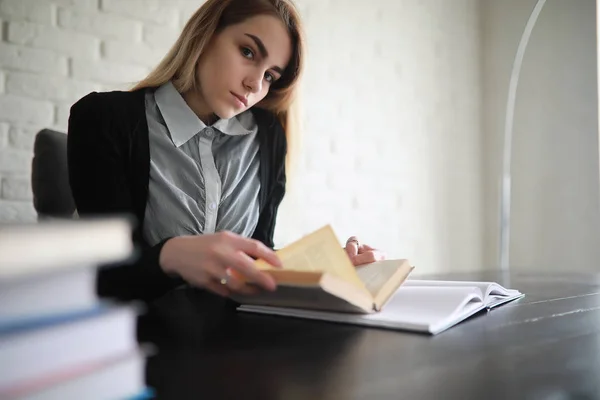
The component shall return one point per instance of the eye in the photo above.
(247, 53)
(269, 77)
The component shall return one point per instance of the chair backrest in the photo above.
(49, 175)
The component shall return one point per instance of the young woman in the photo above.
(196, 152)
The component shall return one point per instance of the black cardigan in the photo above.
(109, 161)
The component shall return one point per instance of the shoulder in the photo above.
(106, 116)
(119, 101)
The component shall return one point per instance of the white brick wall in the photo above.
(19, 58)
(40, 87)
(21, 109)
(27, 10)
(4, 135)
(53, 38)
(21, 138)
(391, 117)
(101, 25)
(16, 188)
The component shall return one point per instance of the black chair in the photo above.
(52, 196)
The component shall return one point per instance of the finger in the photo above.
(351, 247)
(257, 249)
(243, 264)
(217, 287)
(364, 248)
(368, 257)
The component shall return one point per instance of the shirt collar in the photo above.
(183, 123)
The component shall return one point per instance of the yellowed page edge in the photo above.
(393, 284)
(318, 251)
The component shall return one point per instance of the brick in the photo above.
(106, 72)
(23, 110)
(63, 110)
(33, 60)
(21, 137)
(26, 10)
(4, 129)
(17, 211)
(186, 10)
(15, 160)
(108, 87)
(39, 86)
(106, 26)
(52, 38)
(86, 6)
(138, 54)
(146, 10)
(162, 37)
(18, 188)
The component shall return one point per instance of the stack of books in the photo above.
(58, 340)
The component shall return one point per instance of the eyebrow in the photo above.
(263, 51)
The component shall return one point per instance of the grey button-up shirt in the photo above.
(203, 179)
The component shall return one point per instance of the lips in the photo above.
(241, 99)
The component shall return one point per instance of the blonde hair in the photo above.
(179, 64)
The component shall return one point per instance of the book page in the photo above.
(429, 308)
(377, 274)
(318, 251)
(493, 293)
(487, 288)
(480, 285)
(424, 309)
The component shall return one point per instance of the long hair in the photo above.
(179, 64)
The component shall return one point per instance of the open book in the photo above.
(419, 305)
(318, 281)
(317, 274)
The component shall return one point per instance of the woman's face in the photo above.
(241, 63)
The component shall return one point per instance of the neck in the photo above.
(197, 104)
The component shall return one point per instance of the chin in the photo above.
(227, 115)
(226, 112)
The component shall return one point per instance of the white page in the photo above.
(424, 309)
(494, 294)
(426, 306)
(487, 288)
(483, 286)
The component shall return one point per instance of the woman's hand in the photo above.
(215, 262)
(361, 253)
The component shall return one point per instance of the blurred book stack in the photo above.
(58, 340)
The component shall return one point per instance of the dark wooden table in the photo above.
(544, 346)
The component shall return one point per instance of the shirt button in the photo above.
(212, 206)
(209, 132)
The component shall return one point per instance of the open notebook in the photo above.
(426, 306)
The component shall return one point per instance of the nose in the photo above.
(253, 84)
